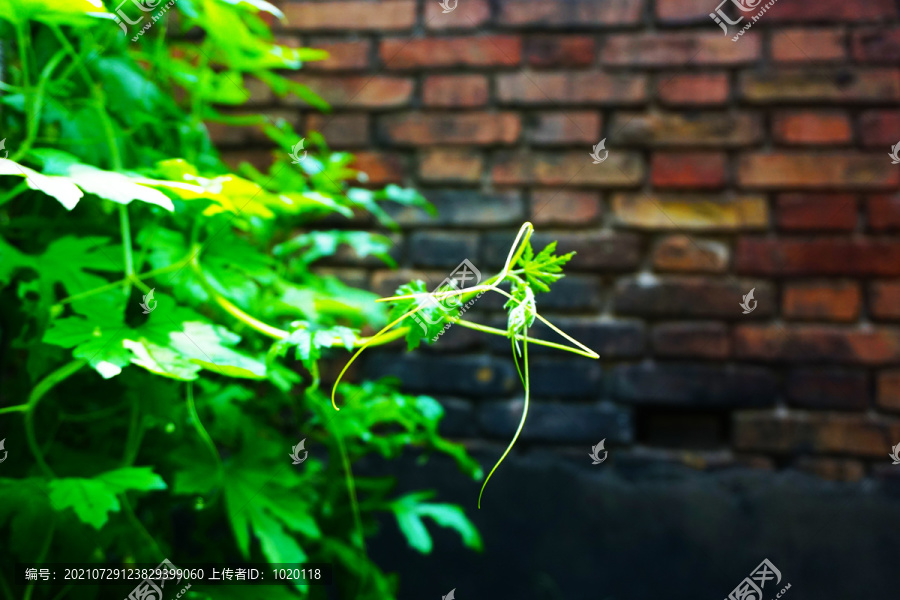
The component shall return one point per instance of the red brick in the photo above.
(877, 45)
(679, 12)
(888, 396)
(699, 90)
(816, 171)
(824, 85)
(621, 169)
(880, 128)
(451, 166)
(688, 170)
(884, 300)
(800, 433)
(381, 167)
(682, 253)
(671, 49)
(708, 129)
(566, 128)
(811, 128)
(817, 212)
(473, 14)
(834, 11)
(455, 90)
(817, 343)
(572, 13)
(343, 56)
(351, 15)
(341, 131)
(884, 212)
(470, 51)
(360, 91)
(564, 207)
(576, 87)
(808, 45)
(425, 129)
(691, 340)
(826, 301)
(559, 51)
(822, 256)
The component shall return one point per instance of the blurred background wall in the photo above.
(759, 164)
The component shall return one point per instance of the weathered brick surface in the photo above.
(343, 56)
(450, 166)
(667, 49)
(712, 129)
(455, 91)
(688, 170)
(820, 388)
(824, 256)
(817, 212)
(557, 422)
(571, 87)
(559, 51)
(691, 340)
(475, 15)
(822, 301)
(378, 91)
(821, 85)
(693, 90)
(812, 128)
(469, 51)
(757, 164)
(685, 253)
(884, 212)
(693, 385)
(808, 45)
(565, 128)
(662, 211)
(441, 248)
(818, 343)
(351, 15)
(445, 128)
(804, 433)
(572, 13)
(884, 300)
(694, 297)
(878, 127)
(784, 170)
(622, 169)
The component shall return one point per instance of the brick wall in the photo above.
(761, 163)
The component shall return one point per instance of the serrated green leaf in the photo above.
(91, 500)
(132, 478)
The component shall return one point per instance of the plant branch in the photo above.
(39, 391)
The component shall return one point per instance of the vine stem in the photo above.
(135, 278)
(527, 382)
(41, 389)
(201, 431)
(43, 554)
(265, 328)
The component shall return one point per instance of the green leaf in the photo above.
(132, 478)
(99, 344)
(61, 188)
(425, 324)
(543, 269)
(409, 511)
(93, 499)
